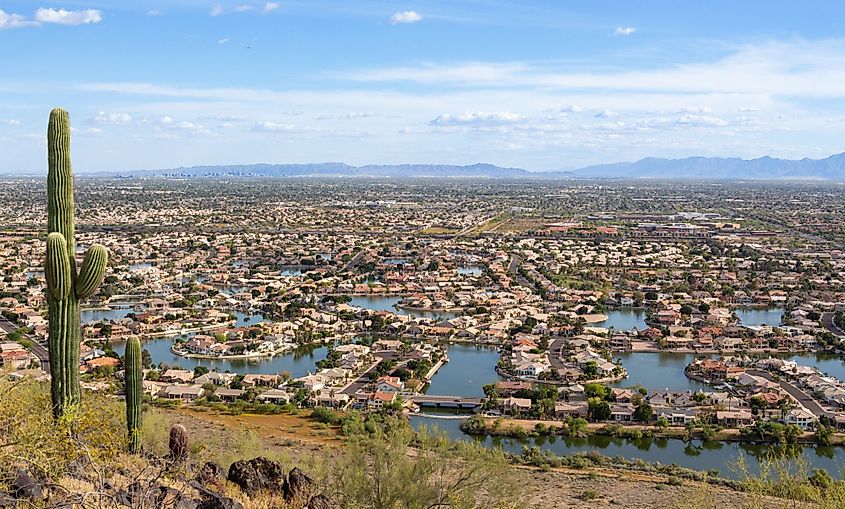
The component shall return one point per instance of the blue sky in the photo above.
(541, 85)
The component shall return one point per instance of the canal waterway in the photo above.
(624, 319)
(698, 455)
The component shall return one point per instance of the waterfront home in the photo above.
(734, 418)
(276, 396)
(153, 388)
(177, 375)
(622, 395)
(215, 377)
(182, 392)
(332, 399)
(801, 417)
(507, 388)
(260, 380)
(387, 345)
(565, 409)
(100, 362)
(389, 384)
(515, 406)
(678, 416)
(228, 395)
(621, 413)
(378, 400)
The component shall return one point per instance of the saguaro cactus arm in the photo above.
(92, 271)
(134, 392)
(57, 267)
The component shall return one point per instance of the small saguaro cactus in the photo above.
(178, 443)
(133, 379)
(65, 286)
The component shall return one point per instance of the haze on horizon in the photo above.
(540, 85)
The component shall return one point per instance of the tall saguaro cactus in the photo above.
(65, 285)
(134, 389)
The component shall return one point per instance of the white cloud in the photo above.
(223, 40)
(405, 17)
(270, 7)
(799, 69)
(10, 121)
(217, 10)
(571, 108)
(701, 121)
(14, 21)
(624, 30)
(65, 17)
(606, 114)
(477, 118)
(243, 8)
(154, 12)
(112, 118)
(272, 127)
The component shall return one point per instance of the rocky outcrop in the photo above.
(320, 502)
(257, 475)
(298, 488)
(211, 474)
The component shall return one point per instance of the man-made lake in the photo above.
(297, 363)
(245, 319)
(291, 270)
(93, 315)
(624, 319)
(697, 455)
(665, 370)
(379, 303)
(759, 316)
(657, 371)
(469, 369)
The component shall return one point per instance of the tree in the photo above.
(598, 410)
(200, 371)
(146, 359)
(643, 412)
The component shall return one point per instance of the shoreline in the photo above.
(726, 435)
(174, 351)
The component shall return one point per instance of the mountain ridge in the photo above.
(695, 167)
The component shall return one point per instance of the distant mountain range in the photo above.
(345, 170)
(731, 168)
(830, 168)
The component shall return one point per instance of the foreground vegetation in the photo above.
(82, 459)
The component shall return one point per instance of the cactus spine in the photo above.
(65, 286)
(133, 381)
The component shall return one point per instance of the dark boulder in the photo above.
(27, 488)
(217, 501)
(211, 474)
(320, 502)
(298, 489)
(258, 474)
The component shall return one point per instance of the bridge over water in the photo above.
(431, 401)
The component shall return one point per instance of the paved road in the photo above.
(353, 262)
(38, 349)
(360, 382)
(827, 322)
(555, 357)
(803, 398)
